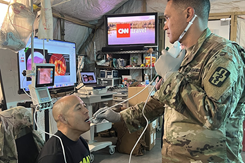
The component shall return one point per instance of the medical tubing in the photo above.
(62, 146)
(100, 112)
(124, 100)
(147, 123)
(27, 93)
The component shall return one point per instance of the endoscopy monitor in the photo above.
(44, 75)
(60, 53)
(131, 29)
(3, 103)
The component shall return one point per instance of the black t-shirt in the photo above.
(75, 151)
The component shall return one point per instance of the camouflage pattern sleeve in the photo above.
(216, 99)
(133, 116)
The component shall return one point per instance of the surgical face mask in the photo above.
(187, 27)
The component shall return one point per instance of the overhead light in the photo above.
(225, 19)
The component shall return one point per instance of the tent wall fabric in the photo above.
(240, 39)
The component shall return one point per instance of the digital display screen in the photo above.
(131, 29)
(44, 76)
(60, 53)
(88, 77)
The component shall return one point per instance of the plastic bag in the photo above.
(17, 27)
(45, 29)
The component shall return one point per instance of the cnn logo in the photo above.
(123, 30)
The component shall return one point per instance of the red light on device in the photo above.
(123, 30)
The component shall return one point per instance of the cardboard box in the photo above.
(150, 139)
(140, 97)
(126, 141)
(150, 135)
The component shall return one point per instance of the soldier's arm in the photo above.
(133, 116)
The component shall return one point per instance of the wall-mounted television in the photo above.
(131, 29)
(60, 53)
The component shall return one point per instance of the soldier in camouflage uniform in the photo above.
(14, 123)
(204, 99)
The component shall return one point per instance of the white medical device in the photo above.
(42, 78)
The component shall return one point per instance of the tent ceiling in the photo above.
(217, 6)
(92, 10)
(88, 10)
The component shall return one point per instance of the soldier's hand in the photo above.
(108, 114)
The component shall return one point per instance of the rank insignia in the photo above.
(219, 76)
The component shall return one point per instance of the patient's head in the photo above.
(70, 113)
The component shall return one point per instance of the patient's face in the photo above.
(77, 115)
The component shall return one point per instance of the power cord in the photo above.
(147, 123)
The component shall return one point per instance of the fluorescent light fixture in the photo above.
(225, 19)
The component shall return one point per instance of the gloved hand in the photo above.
(166, 64)
(109, 115)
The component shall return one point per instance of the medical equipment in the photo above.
(93, 117)
(42, 77)
(60, 53)
(187, 27)
(168, 62)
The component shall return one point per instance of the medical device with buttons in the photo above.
(42, 78)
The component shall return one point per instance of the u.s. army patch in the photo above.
(219, 76)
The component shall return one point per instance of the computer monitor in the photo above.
(3, 103)
(60, 53)
(44, 75)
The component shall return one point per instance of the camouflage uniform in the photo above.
(204, 105)
(15, 123)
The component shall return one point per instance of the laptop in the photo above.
(89, 80)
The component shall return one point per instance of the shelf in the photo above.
(133, 68)
(109, 78)
(123, 68)
(126, 52)
(120, 95)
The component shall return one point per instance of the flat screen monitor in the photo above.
(44, 75)
(131, 29)
(3, 103)
(60, 53)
